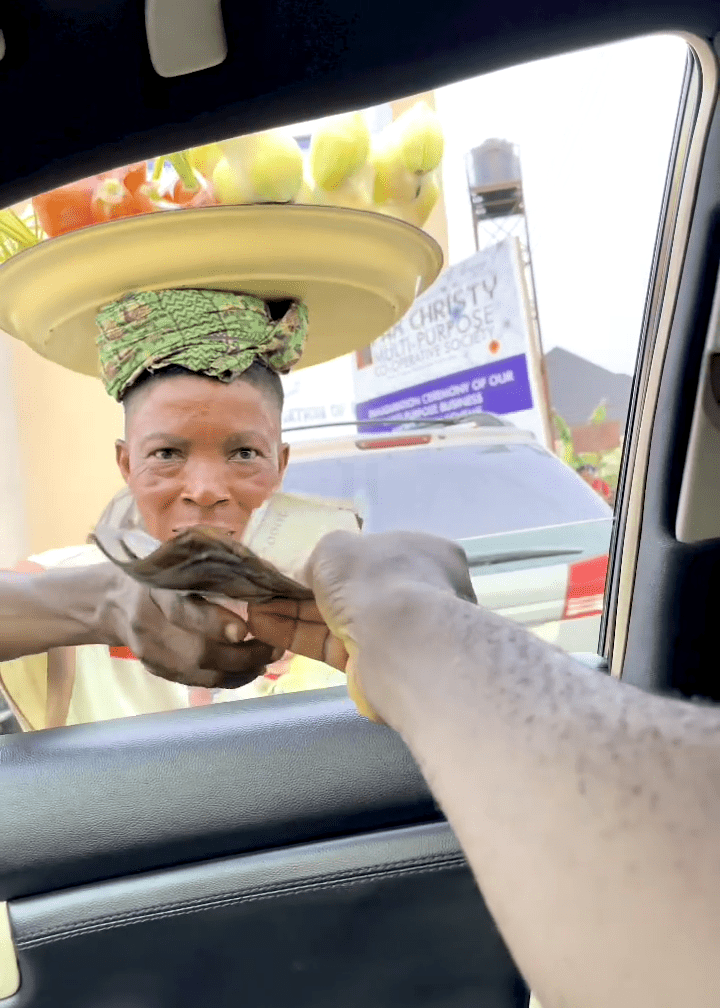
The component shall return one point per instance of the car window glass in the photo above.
(493, 413)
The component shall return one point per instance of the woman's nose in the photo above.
(205, 486)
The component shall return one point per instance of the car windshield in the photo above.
(455, 492)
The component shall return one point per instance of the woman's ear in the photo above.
(122, 457)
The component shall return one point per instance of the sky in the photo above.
(594, 130)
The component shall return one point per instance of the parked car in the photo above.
(535, 534)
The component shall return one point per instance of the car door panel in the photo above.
(317, 925)
(96, 801)
(282, 851)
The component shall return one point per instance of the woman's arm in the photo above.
(175, 637)
(42, 609)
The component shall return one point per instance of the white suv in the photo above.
(535, 534)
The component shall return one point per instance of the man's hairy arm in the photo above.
(588, 810)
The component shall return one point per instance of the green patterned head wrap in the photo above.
(213, 333)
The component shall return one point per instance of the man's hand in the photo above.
(359, 583)
(365, 589)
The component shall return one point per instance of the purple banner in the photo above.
(499, 387)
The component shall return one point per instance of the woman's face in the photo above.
(198, 451)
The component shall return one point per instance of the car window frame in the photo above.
(696, 107)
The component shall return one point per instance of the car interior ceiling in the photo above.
(287, 62)
(286, 851)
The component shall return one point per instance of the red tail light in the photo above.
(398, 442)
(586, 588)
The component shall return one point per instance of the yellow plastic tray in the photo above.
(358, 272)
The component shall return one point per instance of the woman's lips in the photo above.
(224, 529)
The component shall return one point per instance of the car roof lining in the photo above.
(79, 105)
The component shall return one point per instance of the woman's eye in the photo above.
(246, 454)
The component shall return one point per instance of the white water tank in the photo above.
(493, 164)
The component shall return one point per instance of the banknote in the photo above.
(266, 565)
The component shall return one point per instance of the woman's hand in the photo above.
(184, 639)
(357, 583)
(297, 627)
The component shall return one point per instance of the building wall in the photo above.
(13, 530)
(67, 428)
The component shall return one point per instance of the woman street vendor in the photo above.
(197, 373)
(189, 316)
